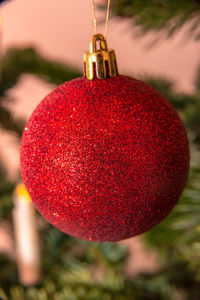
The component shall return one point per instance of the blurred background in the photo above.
(42, 43)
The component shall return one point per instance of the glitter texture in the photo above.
(104, 160)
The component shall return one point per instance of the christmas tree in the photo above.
(76, 269)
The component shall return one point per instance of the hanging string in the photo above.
(107, 18)
(95, 19)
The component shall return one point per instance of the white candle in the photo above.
(26, 237)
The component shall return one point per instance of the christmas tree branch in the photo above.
(164, 17)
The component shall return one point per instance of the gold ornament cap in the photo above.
(99, 62)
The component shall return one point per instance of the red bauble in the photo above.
(104, 160)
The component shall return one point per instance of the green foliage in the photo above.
(75, 269)
(19, 61)
(164, 16)
(6, 189)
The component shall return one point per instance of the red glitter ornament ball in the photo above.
(104, 160)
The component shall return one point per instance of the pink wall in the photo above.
(62, 29)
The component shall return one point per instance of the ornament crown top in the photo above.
(99, 61)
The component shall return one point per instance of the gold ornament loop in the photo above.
(102, 43)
